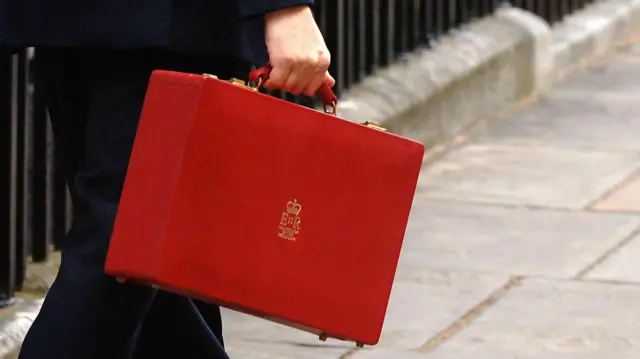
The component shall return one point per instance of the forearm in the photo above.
(250, 8)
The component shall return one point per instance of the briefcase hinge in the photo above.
(375, 126)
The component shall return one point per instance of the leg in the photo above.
(87, 314)
(211, 315)
(169, 331)
(95, 101)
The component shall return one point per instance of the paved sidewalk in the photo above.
(522, 244)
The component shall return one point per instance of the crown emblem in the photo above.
(293, 207)
(290, 221)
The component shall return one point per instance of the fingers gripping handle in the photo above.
(329, 99)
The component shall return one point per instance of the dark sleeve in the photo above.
(250, 8)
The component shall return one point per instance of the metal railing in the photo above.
(362, 35)
(552, 10)
(34, 212)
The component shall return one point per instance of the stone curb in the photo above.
(16, 320)
(14, 326)
(475, 74)
(591, 33)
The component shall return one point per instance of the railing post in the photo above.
(428, 21)
(41, 171)
(360, 38)
(373, 29)
(348, 21)
(23, 156)
(401, 31)
(463, 8)
(415, 13)
(335, 36)
(439, 14)
(387, 27)
(8, 147)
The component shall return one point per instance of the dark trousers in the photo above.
(94, 100)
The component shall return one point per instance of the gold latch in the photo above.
(238, 82)
(233, 81)
(375, 126)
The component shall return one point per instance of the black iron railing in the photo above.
(552, 10)
(33, 195)
(362, 35)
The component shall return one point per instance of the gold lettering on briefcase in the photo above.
(290, 221)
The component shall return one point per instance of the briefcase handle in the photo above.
(328, 98)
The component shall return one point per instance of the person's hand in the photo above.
(298, 54)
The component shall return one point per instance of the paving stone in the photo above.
(596, 110)
(626, 198)
(623, 265)
(243, 327)
(563, 119)
(554, 320)
(378, 353)
(14, 324)
(422, 303)
(425, 302)
(257, 350)
(561, 353)
(515, 241)
(521, 175)
(614, 73)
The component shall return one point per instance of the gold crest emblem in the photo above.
(290, 221)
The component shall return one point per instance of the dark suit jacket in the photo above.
(198, 27)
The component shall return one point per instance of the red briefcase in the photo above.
(264, 206)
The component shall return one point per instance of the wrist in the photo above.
(289, 11)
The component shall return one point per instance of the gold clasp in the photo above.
(237, 82)
(233, 81)
(246, 85)
(375, 126)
